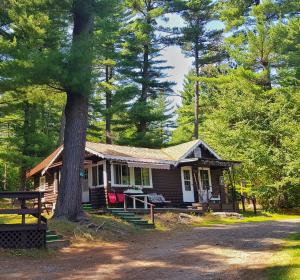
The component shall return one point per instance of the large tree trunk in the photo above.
(108, 117)
(76, 112)
(70, 193)
(62, 128)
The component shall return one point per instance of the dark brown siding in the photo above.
(167, 183)
(97, 197)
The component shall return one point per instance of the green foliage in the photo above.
(142, 67)
(251, 110)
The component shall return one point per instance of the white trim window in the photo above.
(97, 175)
(121, 175)
(142, 177)
(42, 184)
(124, 176)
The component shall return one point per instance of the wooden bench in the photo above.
(158, 199)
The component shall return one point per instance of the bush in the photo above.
(274, 198)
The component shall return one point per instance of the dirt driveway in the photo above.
(240, 251)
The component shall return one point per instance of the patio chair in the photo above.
(112, 198)
(115, 198)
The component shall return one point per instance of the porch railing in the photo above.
(152, 206)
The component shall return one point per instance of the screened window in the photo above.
(94, 176)
(204, 177)
(187, 180)
(42, 183)
(142, 176)
(121, 174)
(97, 175)
(100, 175)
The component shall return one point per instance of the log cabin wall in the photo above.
(165, 182)
(51, 193)
(98, 197)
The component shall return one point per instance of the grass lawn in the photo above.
(211, 220)
(16, 219)
(286, 262)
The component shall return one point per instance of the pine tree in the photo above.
(40, 52)
(104, 105)
(143, 69)
(199, 42)
(251, 108)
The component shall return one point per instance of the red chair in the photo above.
(120, 197)
(112, 198)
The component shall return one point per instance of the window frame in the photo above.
(40, 184)
(90, 175)
(150, 177)
(131, 177)
(209, 177)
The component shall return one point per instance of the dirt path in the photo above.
(240, 251)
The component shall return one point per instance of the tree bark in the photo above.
(142, 125)
(62, 128)
(108, 77)
(70, 193)
(76, 112)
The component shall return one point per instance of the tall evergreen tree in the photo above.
(39, 51)
(245, 117)
(104, 103)
(143, 69)
(199, 42)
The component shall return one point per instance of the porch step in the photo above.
(87, 207)
(132, 218)
(55, 241)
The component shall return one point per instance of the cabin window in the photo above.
(121, 174)
(187, 180)
(94, 176)
(221, 180)
(42, 185)
(205, 178)
(142, 176)
(97, 175)
(100, 175)
(55, 183)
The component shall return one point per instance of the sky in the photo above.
(175, 58)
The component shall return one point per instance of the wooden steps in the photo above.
(87, 207)
(132, 218)
(55, 241)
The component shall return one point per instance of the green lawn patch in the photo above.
(211, 220)
(286, 262)
(16, 219)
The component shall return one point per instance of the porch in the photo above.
(192, 181)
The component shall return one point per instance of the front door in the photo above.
(187, 184)
(205, 184)
(85, 186)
